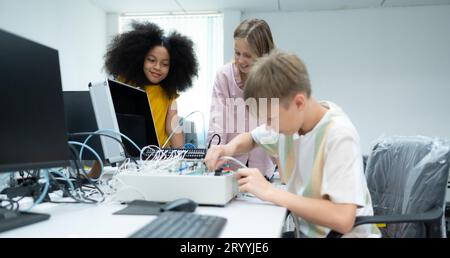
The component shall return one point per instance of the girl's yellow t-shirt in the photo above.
(160, 104)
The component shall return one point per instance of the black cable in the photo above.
(63, 189)
(77, 155)
(67, 192)
(109, 136)
(79, 167)
(85, 173)
(26, 178)
(18, 200)
(76, 159)
(25, 174)
(212, 138)
(35, 173)
(41, 188)
(11, 203)
(32, 173)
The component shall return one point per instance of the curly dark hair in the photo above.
(126, 54)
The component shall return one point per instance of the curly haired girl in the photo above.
(162, 66)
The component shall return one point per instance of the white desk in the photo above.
(246, 217)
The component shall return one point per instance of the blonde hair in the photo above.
(278, 75)
(258, 35)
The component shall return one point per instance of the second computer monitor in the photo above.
(80, 117)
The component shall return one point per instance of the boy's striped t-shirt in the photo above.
(325, 163)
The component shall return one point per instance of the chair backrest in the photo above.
(365, 157)
(407, 175)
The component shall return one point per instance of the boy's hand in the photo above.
(252, 181)
(212, 157)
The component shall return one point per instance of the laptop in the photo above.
(124, 108)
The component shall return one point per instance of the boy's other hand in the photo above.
(212, 160)
(252, 181)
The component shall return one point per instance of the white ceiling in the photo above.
(124, 6)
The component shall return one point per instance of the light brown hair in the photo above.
(278, 75)
(258, 35)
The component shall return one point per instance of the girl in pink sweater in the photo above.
(229, 116)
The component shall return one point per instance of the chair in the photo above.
(407, 178)
(365, 158)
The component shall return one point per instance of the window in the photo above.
(206, 31)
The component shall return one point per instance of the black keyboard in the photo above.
(190, 153)
(10, 219)
(182, 225)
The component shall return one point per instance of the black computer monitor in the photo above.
(80, 117)
(32, 130)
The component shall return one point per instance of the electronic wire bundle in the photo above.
(165, 174)
(188, 153)
(192, 183)
(164, 177)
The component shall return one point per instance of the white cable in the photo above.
(148, 147)
(124, 187)
(127, 165)
(233, 159)
(181, 124)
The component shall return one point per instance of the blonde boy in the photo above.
(317, 146)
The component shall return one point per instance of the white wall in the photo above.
(112, 26)
(77, 29)
(231, 19)
(388, 68)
